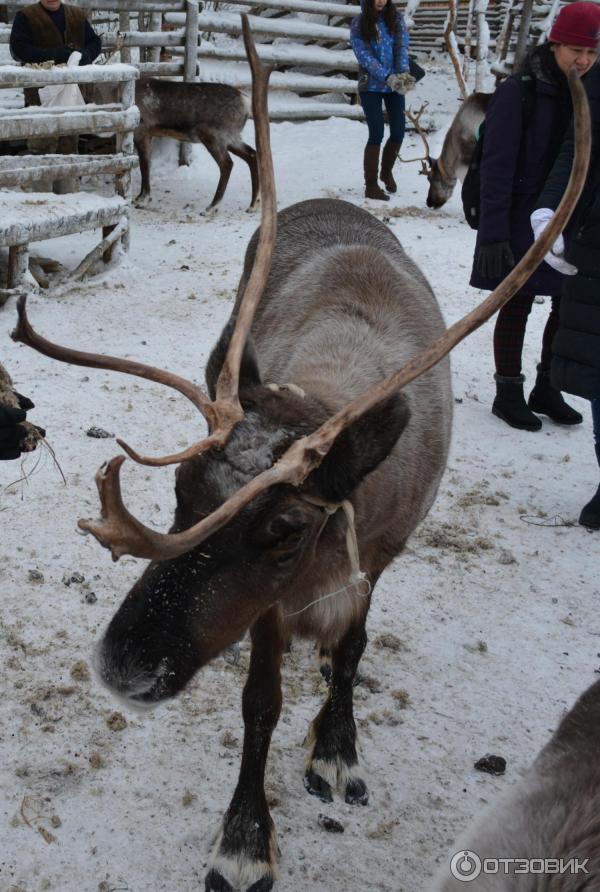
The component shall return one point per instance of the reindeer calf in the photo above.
(551, 814)
(212, 114)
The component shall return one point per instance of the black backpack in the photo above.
(470, 192)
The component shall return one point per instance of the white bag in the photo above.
(63, 94)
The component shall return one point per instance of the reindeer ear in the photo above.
(360, 449)
(249, 373)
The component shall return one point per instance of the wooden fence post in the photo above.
(190, 64)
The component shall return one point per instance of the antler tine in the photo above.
(228, 382)
(122, 533)
(414, 118)
(25, 334)
(307, 453)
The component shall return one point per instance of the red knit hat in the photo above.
(577, 24)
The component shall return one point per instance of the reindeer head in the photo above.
(185, 610)
(261, 494)
(441, 186)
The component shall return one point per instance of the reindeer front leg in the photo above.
(143, 145)
(245, 852)
(332, 735)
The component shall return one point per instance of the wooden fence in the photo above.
(176, 38)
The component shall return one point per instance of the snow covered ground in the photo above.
(493, 607)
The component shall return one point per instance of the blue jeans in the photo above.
(394, 105)
(596, 421)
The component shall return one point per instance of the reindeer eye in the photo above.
(286, 549)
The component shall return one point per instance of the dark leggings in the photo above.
(394, 105)
(509, 334)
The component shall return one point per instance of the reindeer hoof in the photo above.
(356, 792)
(216, 883)
(142, 201)
(209, 212)
(327, 673)
(318, 787)
(265, 884)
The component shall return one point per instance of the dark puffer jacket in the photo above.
(515, 163)
(576, 347)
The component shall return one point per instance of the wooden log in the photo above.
(120, 5)
(285, 80)
(161, 69)
(190, 66)
(298, 56)
(230, 23)
(68, 121)
(30, 168)
(144, 39)
(190, 56)
(18, 76)
(322, 8)
(18, 265)
(104, 249)
(33, 217)
(153, 53)
(124, 25)
(523, 35)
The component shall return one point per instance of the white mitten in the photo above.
(556, 257)
(401, 83)
(73, 60)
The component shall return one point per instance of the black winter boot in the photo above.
(547, 400)
(388, 159)
(371, 165)
(510, 404)
(590, 513)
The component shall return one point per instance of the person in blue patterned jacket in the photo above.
(380, 42)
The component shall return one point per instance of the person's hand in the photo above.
(495, 260)
(12, 432)
(74, 59)
(401, 83)
(556, 256)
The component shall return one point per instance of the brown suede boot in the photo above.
(388, 159)
(371, 165)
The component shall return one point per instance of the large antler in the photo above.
(123, 534)
(225, 411)
(414, 118)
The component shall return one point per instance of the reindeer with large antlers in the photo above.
(459, 144)
(314, 475)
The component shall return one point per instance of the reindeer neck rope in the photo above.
(358, 579)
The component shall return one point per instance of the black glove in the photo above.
(12, 433)
(496, 260)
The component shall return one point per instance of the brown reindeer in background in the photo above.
(211, 114)
(314, 474)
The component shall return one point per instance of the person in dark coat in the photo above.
(49, 31)
(518, 152)
(379, 38)
(576, 347)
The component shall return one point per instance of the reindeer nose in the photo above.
(128, 675)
